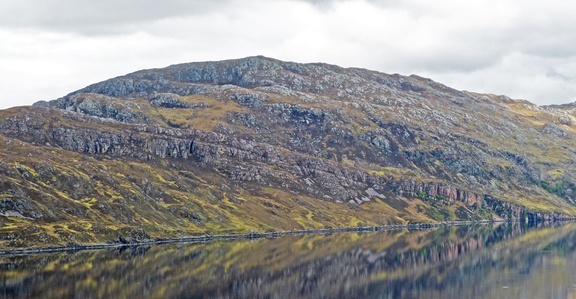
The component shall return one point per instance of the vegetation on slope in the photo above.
(260, 144)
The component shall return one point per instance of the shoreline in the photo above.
(247, 236)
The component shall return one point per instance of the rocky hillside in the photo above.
(261, 144)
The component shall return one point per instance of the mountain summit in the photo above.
(261, 144)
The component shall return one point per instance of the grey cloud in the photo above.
(325, 2)
(554, 74)
(329, 4)
(99, 17)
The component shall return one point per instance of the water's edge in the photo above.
(252, 235)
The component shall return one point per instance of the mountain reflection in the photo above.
(479, 261)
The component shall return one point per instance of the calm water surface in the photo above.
(480, 261)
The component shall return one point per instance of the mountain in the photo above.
(258, 144)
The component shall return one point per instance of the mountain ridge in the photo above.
(261, 144)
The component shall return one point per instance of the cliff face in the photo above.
(263, 144)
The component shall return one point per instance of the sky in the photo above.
(522, 49)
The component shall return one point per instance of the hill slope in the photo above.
(261, 144)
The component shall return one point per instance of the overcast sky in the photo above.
(523, 49)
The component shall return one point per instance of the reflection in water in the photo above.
(480, 261)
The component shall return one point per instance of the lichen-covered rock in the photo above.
(95, 105)
(170, 100)
(553, 129)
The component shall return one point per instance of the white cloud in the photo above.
(523, 76)
(524, 49)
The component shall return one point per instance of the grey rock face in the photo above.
(553, 129)
(249, 100)
(93, 105)
(20, 208)
(262, 73)
(382, 143)
(170, 100)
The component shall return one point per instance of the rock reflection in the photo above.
(481, 261)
